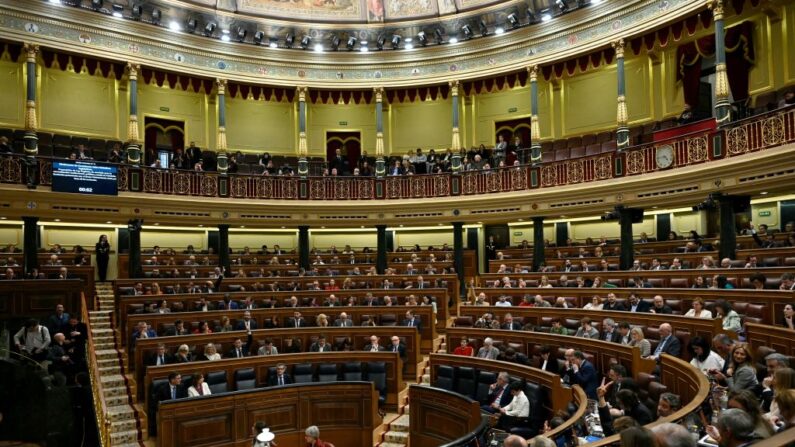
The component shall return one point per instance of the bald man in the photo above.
(514, 441)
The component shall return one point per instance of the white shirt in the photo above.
(205, 390)
(503, 304)
(519, 406)
(713, 361)
(704, 314)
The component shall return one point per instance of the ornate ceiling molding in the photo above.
(577, 33)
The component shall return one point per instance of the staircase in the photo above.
(122, 423)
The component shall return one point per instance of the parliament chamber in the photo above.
(364, 223)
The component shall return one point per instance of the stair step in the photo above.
(120, 412)
(130, 436)
(107, 354)
(115, 391)
(400, 424)
(124, 425)
(391, 444)
(399, 437)
(116, 380)
(113, 401)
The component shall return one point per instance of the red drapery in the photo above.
(739, 60)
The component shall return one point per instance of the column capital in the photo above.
(31, 49)
(454, 87)
(716, 6)
(379, 94)
(533, 71)
(618, 45)
(301, 90)
(221, 84)
(132, 70)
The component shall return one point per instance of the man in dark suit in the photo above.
(509, 324)
(655, 265)
(660, 307)
(161, 357)
(240, 350)
(584, 374)
(194, 154)
(397, 346)
(499, 395)
(338, 162)
(173, 389)
(637, 305)
(374, 346)
(669, 344)
(247, 323)
(177, 329)
(281, 377)
(296, 320)
(609, 331)
(343, 321)
(320, 345)
(612, 303)
(411, 320)
(57, 321)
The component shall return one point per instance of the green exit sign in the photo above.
(518, 233)
(165, 109)
(764, 214)
(343, 123)
(513, 110)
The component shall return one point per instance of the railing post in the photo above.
(622, 133)
(380, 165)
(133, 135)
(31, 123)
(535, 129)
(303, 151)
(222, 159)
(722, 106)
(455, 163)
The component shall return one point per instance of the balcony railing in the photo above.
(753, 134)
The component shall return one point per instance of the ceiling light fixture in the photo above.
(258, 36)
(408, 46)
(484, 29)
(241, 34)
(192, 25)
(379, 43)
(305, 41)
(453, 40)
(174, 26)
(395, 41)
(422, 39)
(350, 43)
(318, 48)
(499, 30)
(363, 47)
(156, 15)
(546, 15)
(273, 44)
(335, 42)
(513, 20)
(467, 31)
(209, 28)
(118, 11)
(225, 37)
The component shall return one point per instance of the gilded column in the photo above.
(622, 134)
(535, 129)
(380, 167)
(31, 139)
(303, 163)
(722, 105)
(133, 134)
(456, 143)
(222, 158)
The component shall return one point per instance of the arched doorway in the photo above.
(162, 138)
(349, 144)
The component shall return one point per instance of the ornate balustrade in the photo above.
(753, 134)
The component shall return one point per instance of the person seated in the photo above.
(488, 350)
(517, 411)
(698, 310)
(704, 358)
(160, 357)
(612, 303)
(239, 349)
(731, 320)
(509, 324)
(687, 116)
(199, 386)
(183, 354)
(659, 306)
(281, 377)
(464, 349)
(210, 353)
(637, 305)
(143, 331)
(510, 355)
(374, 345)
(586, 330)
(669, 344)
(320, 345)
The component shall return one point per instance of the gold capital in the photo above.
(717, 9)
(302, 90)
(618, 45)
(132, 71)
(454, 87)
(31, 49)
(379, 94)
(221, 83)
(533, 73)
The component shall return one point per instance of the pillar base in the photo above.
(31, 141)
(303, 167)
(380, 167)
(723, 112)
(134, 154)
(222, 163)
(455, 163)
(622, 138)
(535, 155)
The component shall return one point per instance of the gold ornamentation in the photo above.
(221, 143)
(153, 181)
(574, 171)
(636, 162)
(549, 176)
(470, 183)
(365, 189)
(133, 130)
(10, 170)
(456, 146)
(132, 71)
(209, 185)
(518, 179)
(535, 129)
(379, 144)
(265, 188)
(221, 84)
(45, 172)
(302, 90)
(121, 178)
(773, 131)
(31, 123)
(717, 9)
(533, 73)
(418, 186)
(31, 50)
(696, 149)
(316, 189)
(302, 150)
(379, 94)
(238, 187)
(289, 188)
(622, 117)
(393, 187)
(342, 188)
(603, 168)
(441, 185)
(454, 87)
(493, 181)
(618, 45)
(721, 82)
(182, 183)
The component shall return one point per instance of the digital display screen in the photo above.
(84, 178)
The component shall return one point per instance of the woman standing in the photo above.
(103, 255)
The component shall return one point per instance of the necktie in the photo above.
(281, 380)
(394, 349)
(173, 392)
(160, 361)
(296, 323)
(660, 346)
(239, 354)
(409, 323)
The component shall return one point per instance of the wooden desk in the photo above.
(359, 337)
(776, 337)
(159, 322)
(37, 298)
(83, 273)
(346, 413)
(131, 304)
(439, 417)
(262, 364)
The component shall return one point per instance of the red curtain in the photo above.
(739, 60)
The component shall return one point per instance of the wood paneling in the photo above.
(439, 416)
